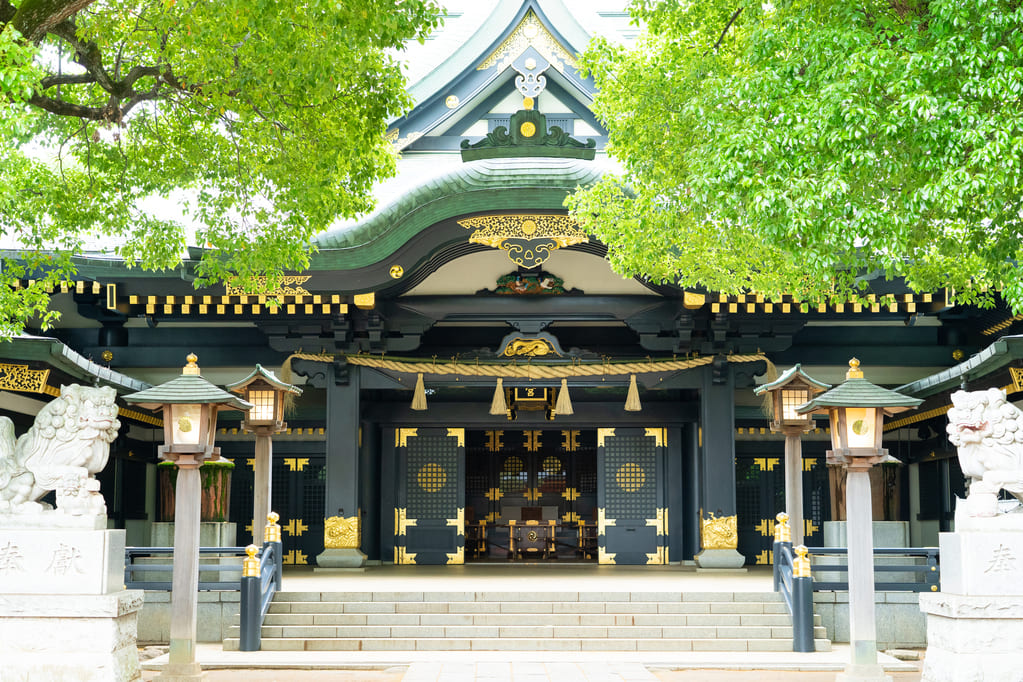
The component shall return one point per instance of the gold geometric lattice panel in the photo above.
(630, 477)
(552, 465)
(431, 477)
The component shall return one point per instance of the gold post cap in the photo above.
(527, 103)
(250, 564)
(782, 532)
(854, 370)
(801, 564)
(191, 369)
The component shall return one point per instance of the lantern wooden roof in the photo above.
(190, 387)
(856, 391)
(789, 375)
(266, 375)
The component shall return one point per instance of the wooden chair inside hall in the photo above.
(475, 535)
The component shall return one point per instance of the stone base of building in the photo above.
(973, 638)
(720, 558)
(69, 637)
(341, 558)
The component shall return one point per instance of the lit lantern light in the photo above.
(267, 395)
(787, 394)
(189, 404)
(857, 409)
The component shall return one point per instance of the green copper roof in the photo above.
(266, 375)
(190, 387)
(788, 375)
(474, 187)
(858, 392)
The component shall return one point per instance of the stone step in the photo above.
(526, 631)
(507, 619)
(527, 596)
(537, 606)
(521, 644)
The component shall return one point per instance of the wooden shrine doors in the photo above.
(429, 521)
(631, 515)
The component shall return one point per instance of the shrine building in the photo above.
(477, 383)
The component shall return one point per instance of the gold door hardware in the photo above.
(296, 463)
(295, 527)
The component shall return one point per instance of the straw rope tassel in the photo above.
(564, 404)
(632, 400)
(419, 395)
(498, 406)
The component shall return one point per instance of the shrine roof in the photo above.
(486, 185)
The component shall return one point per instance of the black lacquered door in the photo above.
(631, 516)
(430, 519)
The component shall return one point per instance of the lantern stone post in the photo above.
(267, 394)
(189, 405)
(857, 409)
(789, 391)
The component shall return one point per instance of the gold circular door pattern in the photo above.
(431, 477)
(630, 477)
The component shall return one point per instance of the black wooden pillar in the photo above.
(717, 454)
(370, 483)
(342, 441)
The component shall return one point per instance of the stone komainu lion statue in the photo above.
(988, 431)
(67, 444)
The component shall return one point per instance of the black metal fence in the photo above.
(151, 568)
(896, 569)
(797, 591)
(258, 588)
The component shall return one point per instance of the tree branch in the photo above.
(724, 32)
(35, 18)
(67, 79)
(62, 108)
(87, 53)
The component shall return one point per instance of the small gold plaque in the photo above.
(396, 271)
(451, 102)
(527, 129)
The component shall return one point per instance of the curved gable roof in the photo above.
(483, 62)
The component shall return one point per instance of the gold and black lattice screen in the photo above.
(431, 477)
(630, 474)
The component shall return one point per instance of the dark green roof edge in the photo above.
(59, 356)
(187, 388)
(991, 359)
(268, 377)
(475, 187)
(796, 369)
(858, 392)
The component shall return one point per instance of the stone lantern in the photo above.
(857, 409)
(267, 394)
(791, 390)
(189, 405)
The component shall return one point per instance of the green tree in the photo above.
(805, 146)
(264, 120)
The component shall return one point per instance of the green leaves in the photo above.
(818, 140)
(244, 126)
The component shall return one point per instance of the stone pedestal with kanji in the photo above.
(975, 624)
(64, 612)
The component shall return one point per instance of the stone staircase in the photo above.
(528, 621)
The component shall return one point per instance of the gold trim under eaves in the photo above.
(22, 378)
(529, 33)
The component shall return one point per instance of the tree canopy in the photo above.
(262, 122)
(804, 146)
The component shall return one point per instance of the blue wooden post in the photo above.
(782, 535)
(272, 536)
(251, 597)
(802, 602)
